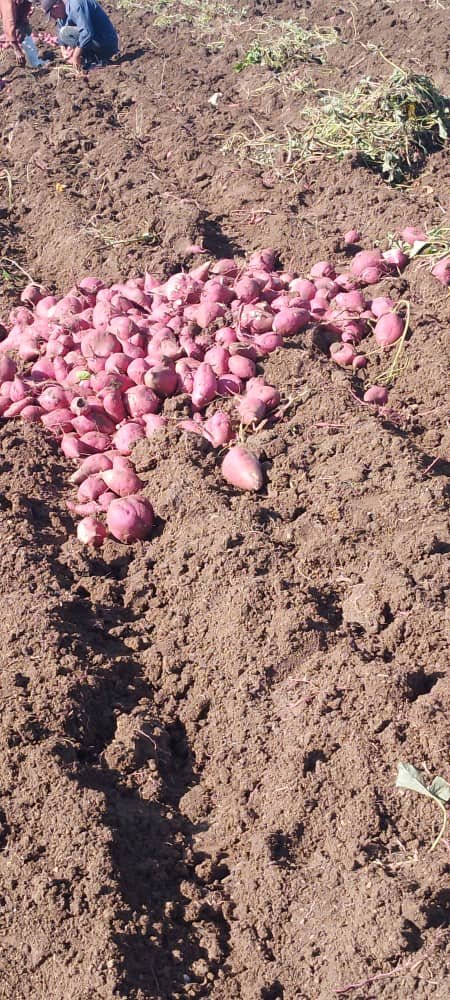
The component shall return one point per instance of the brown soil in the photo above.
(199, 735)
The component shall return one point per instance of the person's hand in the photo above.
(19, 55)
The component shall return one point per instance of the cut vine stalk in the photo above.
(389, 376)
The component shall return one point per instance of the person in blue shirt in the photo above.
(85, 29)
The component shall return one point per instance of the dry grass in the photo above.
(391, 126)
(210, 19)
(278, 45)
(110, 236)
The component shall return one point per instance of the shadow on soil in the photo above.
(153, 848)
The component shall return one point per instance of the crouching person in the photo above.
(84, 29)
(14, 15)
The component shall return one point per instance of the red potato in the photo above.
(14, 409)
(153, 422)
(44, 369)
(190, 347)
(105, 499)
(244, 348)
(95, 441)
(388, 329)
(60, 369)
(289, 322)
(113, 404)
(163, 312)
(268, 342)
(182, 287)
(59, 345)
(117, 363)
(28, 349)
(226, 266)
(323, 269)
(242, 469)
(137, 370)
(72, 447)
(32, 294)
(352, 301)
(241, 366)
(191, 426)
(89, 507)
(130, 519)
(31, 413)
(396, 259)
(90, 466)
(21, 315)
(5, 390)
(66, 307)
(102, 421)
(95, 365)
(372, 275)
(353, 331)
(282, 301)
(366, 259)
(256, 317)
(120, 461)
(125, 438)
(18, 389)
(251, 410)
(105, 294)
(352, 236)
(82, 424)
(229, 385)
(204, 386)
(413, 234)
(101, 315)
(267, 393)
(121, 327)
(377, 394)
(45, 304)
(52, 397)
(122, 482)
(58, 421)
(171, 350)
(162, 380)
(247, 290)
(303, 287)
(381, 305)
(91, 531)
(318, 305)
(90, 284)
(99, 344)
(342, 354)
(215, 290)
(263, 260)
(327, 287)
(218, 429)
(4, 405)
(90, 489)
(141, 399)
(360, 361)
(441, 271)
(218, 357)
(12, 341)
(207, 312)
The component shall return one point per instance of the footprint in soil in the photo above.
(167, 934)
(214, 239)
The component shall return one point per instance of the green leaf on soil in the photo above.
(439, 790)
